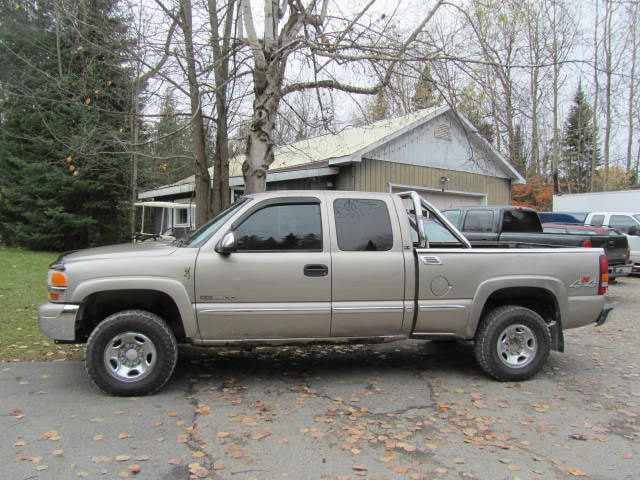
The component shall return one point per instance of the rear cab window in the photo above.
(521, 221)
(596, 220)
(362, 225)
(480, 220)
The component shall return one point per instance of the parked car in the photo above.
(615, 243)
(628, 223)
(518, 227)
(301, 267)
(563, 217)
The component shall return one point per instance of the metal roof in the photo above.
(345, 146)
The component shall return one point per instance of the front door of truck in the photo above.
(368, 267)
(277, 284)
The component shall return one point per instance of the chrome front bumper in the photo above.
(58, 320)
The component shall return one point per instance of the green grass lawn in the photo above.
(22, 288)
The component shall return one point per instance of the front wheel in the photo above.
(132, 352)
(512, 343)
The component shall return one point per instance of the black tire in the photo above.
(139, 321)
(491, 328)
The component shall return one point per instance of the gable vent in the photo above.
(442, 131)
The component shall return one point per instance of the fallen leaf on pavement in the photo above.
(135, 469)
(172, 414)
(122, 458)
(223, 434)
(123, 435)
(203, 410)
(17, 413)
(578, 436)
(51, 435)
(218, 466)
(576, 472)
(57, 453)
(359, 468)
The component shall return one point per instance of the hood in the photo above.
(122, 250)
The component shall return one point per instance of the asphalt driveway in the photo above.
(405, 410)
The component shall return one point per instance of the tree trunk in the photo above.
(632, 86)
(259, 155)
(202, 178)
(607, 127)
(594, 153)
(222, 51)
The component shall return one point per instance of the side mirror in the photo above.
(634, 231)
(227, 244)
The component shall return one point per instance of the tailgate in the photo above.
(615, 246)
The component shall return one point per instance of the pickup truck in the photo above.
(518, 227)
(304, 267)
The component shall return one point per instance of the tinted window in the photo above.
(454, 216)
(597, 220)
(478, 221)
(622, 222)
(556, 217)
(520, 221)
(282, 227)
(362, 225)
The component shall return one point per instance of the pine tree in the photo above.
(580, 136)
(426, 95)
(379, 107)
(65, 119)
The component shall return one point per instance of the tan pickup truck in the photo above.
(302, 267)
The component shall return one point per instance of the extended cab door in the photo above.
(367, 265)
(277, 284)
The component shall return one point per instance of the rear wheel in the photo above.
(512, 343)
(132, 352)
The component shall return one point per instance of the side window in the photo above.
(622, 222)
(597, 220)
(454, 216)
(362, 225)
(295, 226)
(521, 221)
(478, 221)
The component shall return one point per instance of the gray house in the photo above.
(434, 151)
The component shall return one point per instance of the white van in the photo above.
(628, 223)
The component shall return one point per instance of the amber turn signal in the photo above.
(58, 279)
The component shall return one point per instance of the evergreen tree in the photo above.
(65, 119)
(379, 107)
(170, 159)
(580, 136)
(470, 105)
(426, 95)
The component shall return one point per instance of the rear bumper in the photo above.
(604, 315)
(58, 320)
(620, 270)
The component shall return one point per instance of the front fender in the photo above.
(488, 287)
(173, 288)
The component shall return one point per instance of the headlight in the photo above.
(57, 283)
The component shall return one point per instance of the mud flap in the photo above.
(557, 337)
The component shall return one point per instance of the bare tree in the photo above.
(307, 31)
(633, 27)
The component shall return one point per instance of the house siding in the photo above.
(375, 176)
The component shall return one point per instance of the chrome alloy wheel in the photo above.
(517, 346)
(130, 356)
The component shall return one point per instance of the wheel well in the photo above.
(99, 306)
(540, 300)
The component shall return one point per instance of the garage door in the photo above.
(444, 200)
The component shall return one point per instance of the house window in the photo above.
(182, 216)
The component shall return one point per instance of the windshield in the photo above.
(212, 226)
(637, 216)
